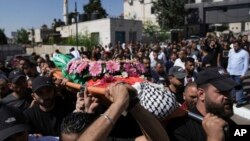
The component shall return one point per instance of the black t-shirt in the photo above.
(189, 129)
(206, 61)
(213, 53)
(48, 123)
(119, 139)
(224, 57)
(126, 127)
(20, 103)
(246, 46)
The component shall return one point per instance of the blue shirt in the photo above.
(238, 62)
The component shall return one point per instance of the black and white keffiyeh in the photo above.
(156, 99)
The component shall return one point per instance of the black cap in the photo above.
(40, 82)
(12, 121)
(15, 75)
(3, 77)
(217, 77)
(178, 72)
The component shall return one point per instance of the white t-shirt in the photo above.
(179, 63)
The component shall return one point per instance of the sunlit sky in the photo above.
(17, 14)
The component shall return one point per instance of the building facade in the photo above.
(105, 31)
(203, 13)
(139, 10)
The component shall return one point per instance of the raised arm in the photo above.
(150, 126)
(101, 127)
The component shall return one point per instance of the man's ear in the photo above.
(170, 77)
(201, 94)
(184, 95)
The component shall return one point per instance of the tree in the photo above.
(154, 32)
(57, 23)
(3, 38)
(170, 13)
(94, 10)
(22, 36)
(44, 26)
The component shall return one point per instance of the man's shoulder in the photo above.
(244, 52)
(32, 110)
(8, 98)
(185, 129)
(179, 122)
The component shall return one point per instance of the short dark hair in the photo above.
(189, 59)
(29, 65)
(77, 122)
(51, 64)
(190, 84)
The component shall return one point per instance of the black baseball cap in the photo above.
(177, 72)
(15, 75)
(12, 121)
(3, 77)
(217, 77)
(40, 82)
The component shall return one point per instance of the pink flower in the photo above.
(112, 66)
(140, 67)
(82, 65)
(73, 67)
(127, 66)
(95, 68)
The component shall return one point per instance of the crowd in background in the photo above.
(26, 84)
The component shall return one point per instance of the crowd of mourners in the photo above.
(205, 76)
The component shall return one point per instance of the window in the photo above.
(120, 36)
(207, 0)
(152, 10)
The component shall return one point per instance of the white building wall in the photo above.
(218, 0)
(127, 26)
(247, 26)
(38, 34)
(235, 27)
(102, 26)
(139, 10)
(105, 27)
(198, 1)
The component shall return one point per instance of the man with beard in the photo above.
(176, 77)
(158, 74)
(46, 116)
(190, 96)
(21, 95)
(214, 105)
(238, 63)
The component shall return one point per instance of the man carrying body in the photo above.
(214, 104)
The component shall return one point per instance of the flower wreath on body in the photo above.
(97, 75)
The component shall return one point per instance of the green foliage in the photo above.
(154, 32)
(83, 40)
(3, 38)
(170, 13)
(150, 29)
(22, 36)
(95, 6)
(57, 23)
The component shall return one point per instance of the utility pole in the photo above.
(76, 15)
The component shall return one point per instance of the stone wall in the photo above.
(49, 49)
